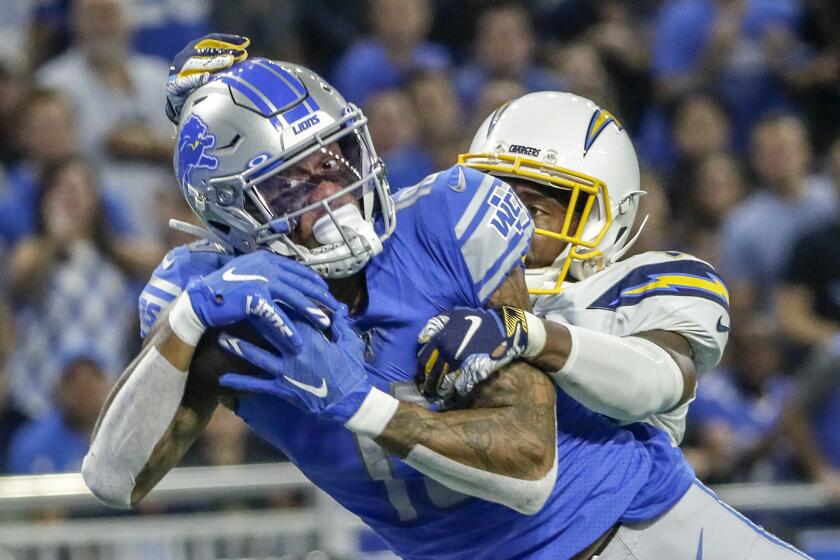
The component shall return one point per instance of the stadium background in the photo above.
(733, 106)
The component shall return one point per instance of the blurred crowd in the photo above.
(733, 105)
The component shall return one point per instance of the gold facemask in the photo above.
(585, 191)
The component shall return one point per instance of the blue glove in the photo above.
(325, 378)
(254, 287)
(463, 347)
(192, 67)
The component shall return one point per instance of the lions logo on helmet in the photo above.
(242, 180)
(193, 144)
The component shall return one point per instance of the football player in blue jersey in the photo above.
(282, 173)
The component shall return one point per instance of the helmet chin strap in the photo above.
(541, 278)
(196, 231)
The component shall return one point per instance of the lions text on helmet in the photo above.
(292, 169)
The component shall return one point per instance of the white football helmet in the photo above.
(564, 141)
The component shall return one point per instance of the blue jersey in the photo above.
(459, 234)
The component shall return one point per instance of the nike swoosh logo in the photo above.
(700, 547)
(461, 185)
(475, 324)
(230, 275)
(720, 326)
(319, 392)
(230, 343)
(167, 262)
(319, 315)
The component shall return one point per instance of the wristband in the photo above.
(184, 322)
(536, 336)
(376, 411)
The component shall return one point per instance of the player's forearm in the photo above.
(508, 430)
(557, 348)
(627, 378)
(489, 439)
(503, 449)
(147, 423)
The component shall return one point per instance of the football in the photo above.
(211, 360)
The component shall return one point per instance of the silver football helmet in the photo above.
(239, 139)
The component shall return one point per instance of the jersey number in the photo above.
(380, 467)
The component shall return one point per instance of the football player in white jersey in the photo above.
(600, 319)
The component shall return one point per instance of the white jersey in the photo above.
(653, 291)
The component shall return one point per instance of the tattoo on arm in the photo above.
(507, 426)
(509, 429)
(189, 421)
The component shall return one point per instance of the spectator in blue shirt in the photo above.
(163, 27)
(724, 44)
(759, 234)
(395, 133)
(57, 442)
(72, 285)
(441, 120)
(397, 48)
(738, 409)
(504, 49)
(47, 134)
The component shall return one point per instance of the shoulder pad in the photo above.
(662, 273)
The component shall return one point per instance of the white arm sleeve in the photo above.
(626, 378)
(525, 496)
(134, 423)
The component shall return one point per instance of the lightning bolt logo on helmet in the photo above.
(192, 149)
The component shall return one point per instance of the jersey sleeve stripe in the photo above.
(165, 285)
(474, 206)
(157, 293)
(676, 278)
(413, 194)
(501, 271)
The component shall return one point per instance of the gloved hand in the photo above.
(462, 347)
(254, 287)
(192, 67)
(327, 378)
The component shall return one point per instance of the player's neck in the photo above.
(351, 291)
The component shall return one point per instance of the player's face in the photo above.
(548, 213)
(320, 175)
